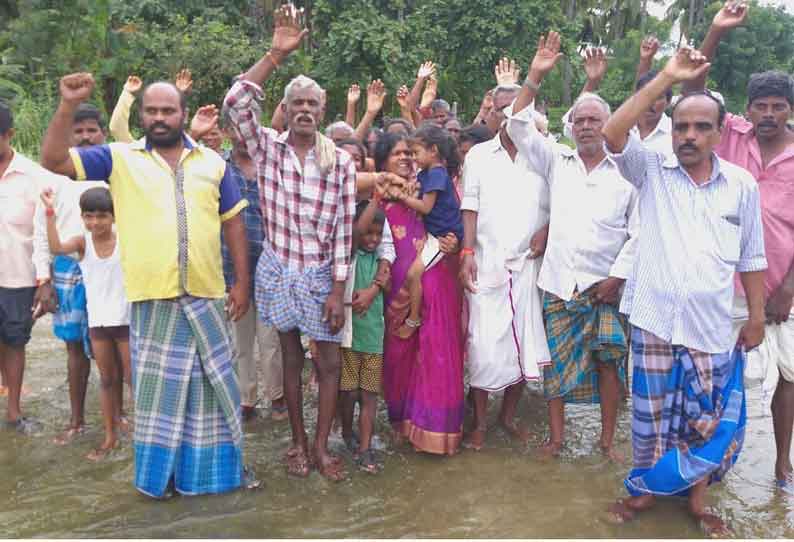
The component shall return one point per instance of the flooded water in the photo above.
(502, 491)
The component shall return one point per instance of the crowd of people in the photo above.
(410, 255)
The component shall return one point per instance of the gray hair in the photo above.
(300, 82)
(499, 89)
(590, 97)
(340, 124)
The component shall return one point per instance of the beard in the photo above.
(168, 139)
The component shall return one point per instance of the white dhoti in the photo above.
(773, 357)
(507, 341)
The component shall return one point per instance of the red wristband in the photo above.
(50, 211)
(466, 251)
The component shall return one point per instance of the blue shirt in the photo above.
(693, 238)
(252, 218)
(445, 215)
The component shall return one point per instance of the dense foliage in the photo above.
(353, 41)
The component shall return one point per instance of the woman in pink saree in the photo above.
(422, 375)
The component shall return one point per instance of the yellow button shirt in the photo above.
(168, 221)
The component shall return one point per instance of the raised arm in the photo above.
(485, 108)
(595, 66)
(278, 121)
(426, 71)
(648, 49)
(75, 244)
(506, 72)
(546, 56)
(686, 65)
(75, 89)
(731, 15)
(119, 125)
(376, 94)
(406, 110)
(205, 119)
(287, 37)
(353, 95)
(241, 101)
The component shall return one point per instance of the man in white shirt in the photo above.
(504, 203)
(70, 321)
(589, 255)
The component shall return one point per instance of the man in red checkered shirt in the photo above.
(307, 195)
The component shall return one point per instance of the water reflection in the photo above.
(502, 491)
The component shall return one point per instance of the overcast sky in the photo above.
(658, 9)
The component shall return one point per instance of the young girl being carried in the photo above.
(108, 309)
(436, 155)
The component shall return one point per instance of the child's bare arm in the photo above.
(421, 205)
(75, 244)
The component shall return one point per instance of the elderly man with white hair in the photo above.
(308, 204)
(590, 250)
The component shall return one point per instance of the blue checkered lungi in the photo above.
(288, 299)
(70, 321)
(187, 400)
(689, 415)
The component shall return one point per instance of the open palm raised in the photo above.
(548, 53)
(289, 31)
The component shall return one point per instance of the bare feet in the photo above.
(624, 510)
(102, 452)
(521, 434)
(613, 454)
(619, 512)
(297, 460)
(331, 467)
(550, 450)
(125, 425)
(712, 526)
(69, 434)
(475, 440)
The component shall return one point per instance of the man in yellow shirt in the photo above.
(171, 198)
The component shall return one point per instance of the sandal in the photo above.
(333, 471)
(279, 412)
(98, 454)
(250, 481)
(298, 463)
(368, 463)
(68, 435)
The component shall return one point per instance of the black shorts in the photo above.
(16, 316)
(109, 333)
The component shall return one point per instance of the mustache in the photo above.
(687, 147)
(159, 125)
(768, 123)
(85, 143)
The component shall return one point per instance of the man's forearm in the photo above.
(236, 240)
(617, 127)
(364, 125)
(54, 146)
(469, 228)
(591, 85)
(708, 48)
(350, 113)
(753, 284)
(259, 72)
(528, 91)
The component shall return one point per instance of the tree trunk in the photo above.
(567, 71)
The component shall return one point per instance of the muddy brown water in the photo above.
(503, 491)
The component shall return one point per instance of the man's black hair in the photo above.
(770, 83)
(354, 143)
(6, 118)
(89, 112)
(476, 133)
(646, 78)
(707, 94)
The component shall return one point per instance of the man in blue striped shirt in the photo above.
(249, 328)
(700, 223)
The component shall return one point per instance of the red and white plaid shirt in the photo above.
(308, 217)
